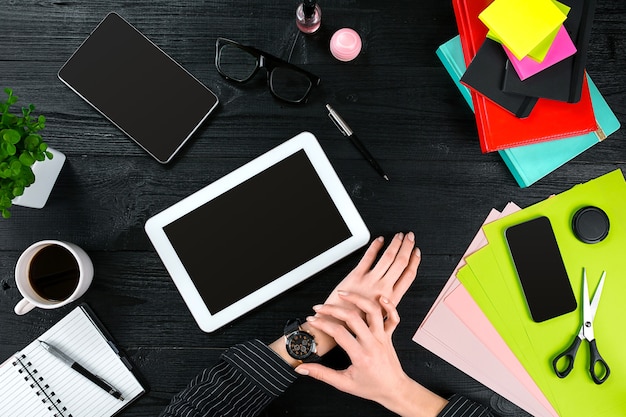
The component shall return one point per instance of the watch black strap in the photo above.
(313, 357)
(292, 326)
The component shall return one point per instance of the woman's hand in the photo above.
(391, 277)
(375, 373)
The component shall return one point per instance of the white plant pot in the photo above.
(46, 173)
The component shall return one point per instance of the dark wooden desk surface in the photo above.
(396, 95)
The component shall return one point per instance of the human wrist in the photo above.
(279, 347)
(323, 341)
(411, 399)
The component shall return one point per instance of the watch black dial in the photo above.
(300, 345)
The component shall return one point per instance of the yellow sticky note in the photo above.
(541, 50)
(522, 25)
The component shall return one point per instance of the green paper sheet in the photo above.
(491, 279)
(485, 263)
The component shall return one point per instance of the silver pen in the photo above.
(346, 131)
(81, 370)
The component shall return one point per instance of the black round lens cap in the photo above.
(590, 224)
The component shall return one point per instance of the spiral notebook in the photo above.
(36, 384)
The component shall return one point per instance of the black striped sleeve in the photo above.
(245, 380)
(459, 406)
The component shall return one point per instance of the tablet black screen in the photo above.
(138, 87)
(256, 232)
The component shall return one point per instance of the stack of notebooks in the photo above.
(481, 324)
(532, 99)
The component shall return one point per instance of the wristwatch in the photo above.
(300, 344)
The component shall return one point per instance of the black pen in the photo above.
(81, 370)
(346, 131)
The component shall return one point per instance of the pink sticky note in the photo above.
(561, 48)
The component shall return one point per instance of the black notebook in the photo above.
(485, 74)
(562, 81)
(37, 384)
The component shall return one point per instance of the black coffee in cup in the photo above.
(53, 273)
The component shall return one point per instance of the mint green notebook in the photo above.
(530, 163)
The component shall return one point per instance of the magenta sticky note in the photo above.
(561, 48)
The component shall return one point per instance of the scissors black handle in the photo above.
(598, 368)
(569, 354)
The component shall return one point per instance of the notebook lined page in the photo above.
(78, 337)
(17, 398)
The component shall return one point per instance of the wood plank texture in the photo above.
(396, 95)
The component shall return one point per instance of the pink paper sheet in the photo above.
(473, 345)
(561, 48)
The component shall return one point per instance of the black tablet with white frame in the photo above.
(257, 231)
(138, 87)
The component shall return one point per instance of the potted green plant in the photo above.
(21, 147)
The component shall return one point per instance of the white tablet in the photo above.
(138, 87)
(257, 231)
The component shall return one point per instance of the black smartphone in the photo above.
(540, 269)
(127, 78)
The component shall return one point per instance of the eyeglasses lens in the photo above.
(289, 85)
(236, 63)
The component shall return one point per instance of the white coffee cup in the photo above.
(26, 283)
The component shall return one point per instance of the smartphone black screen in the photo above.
(540, 269)
(138, 87)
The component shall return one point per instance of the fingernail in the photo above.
(311, 318)
(317, 307)
(301, 371)
(411, 236)
(380, 239)
(418, 252)
(400, 235)
(342, 292)
(384, 300)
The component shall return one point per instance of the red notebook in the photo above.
(497, 128)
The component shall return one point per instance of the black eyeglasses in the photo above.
(240, 63)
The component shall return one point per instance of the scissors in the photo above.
(598, 368)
